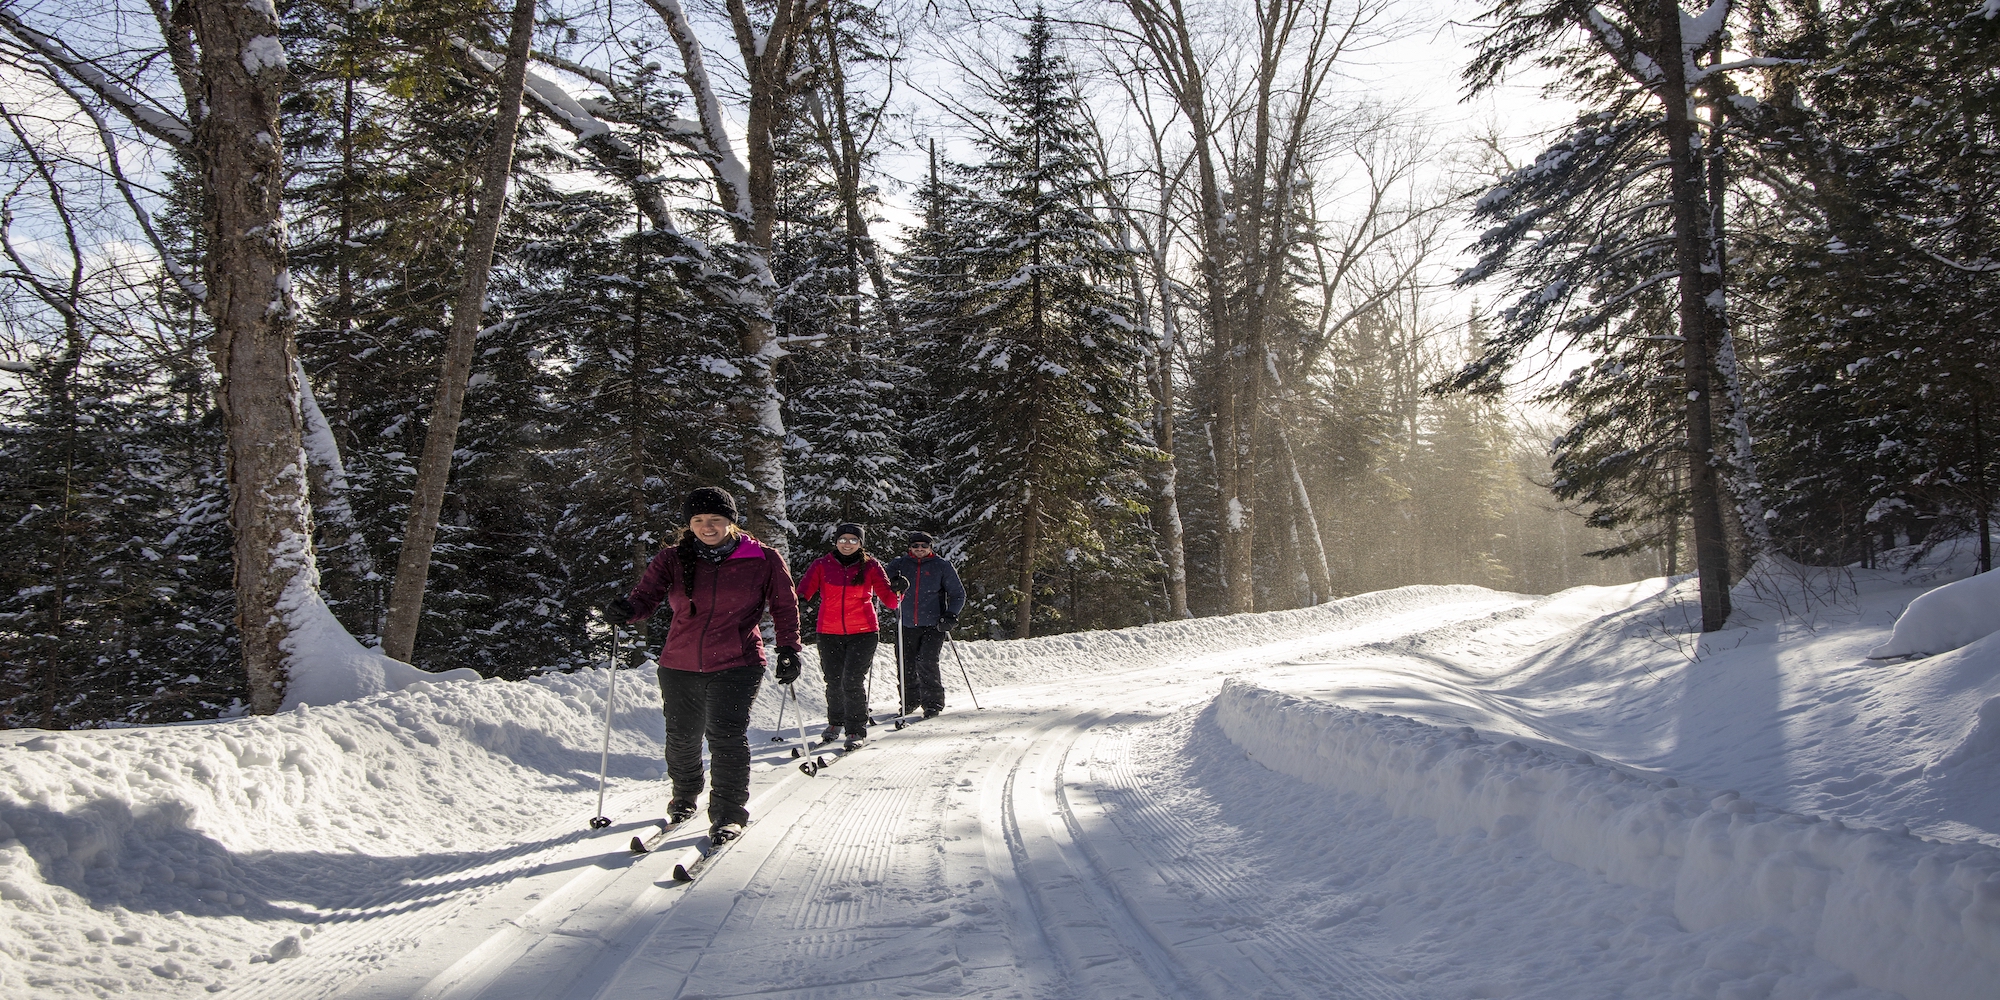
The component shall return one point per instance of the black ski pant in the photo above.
(716, 707)
(922, 688)
(845, 660)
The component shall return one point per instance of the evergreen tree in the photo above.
(1031, 352)
(1879, 270)
(843, 450)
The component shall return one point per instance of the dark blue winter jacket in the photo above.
(934, 589)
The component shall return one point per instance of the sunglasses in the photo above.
(920, 545)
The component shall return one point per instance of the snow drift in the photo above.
(1957, 614)
(1918, 917)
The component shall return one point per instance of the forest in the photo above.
(422, 317)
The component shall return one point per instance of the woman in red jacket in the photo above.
(847, 582)
(718, 582)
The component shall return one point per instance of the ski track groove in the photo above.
(1101, 938)
(1173, 847)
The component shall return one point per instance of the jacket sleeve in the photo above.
(878, 584)
(783, 601)
(809, 584)
(954, 592)
(651, 592)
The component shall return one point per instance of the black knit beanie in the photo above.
(920, 536)
(709, 500)
(850, 528)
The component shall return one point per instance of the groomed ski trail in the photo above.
(967, 856)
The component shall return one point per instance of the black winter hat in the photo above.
(849, 528)
(920, 536)
(709, 500)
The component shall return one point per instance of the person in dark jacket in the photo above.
(848, 581)
(931, 600)
(717, 582)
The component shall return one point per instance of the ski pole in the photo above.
(960, 657)
(902, 699)
(600, 821)
(798, 711)
(778, 733)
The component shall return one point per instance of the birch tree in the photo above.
(772, 51)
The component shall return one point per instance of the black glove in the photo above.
(788, 665)
(945, 622)
(618, 611)
(899, 583)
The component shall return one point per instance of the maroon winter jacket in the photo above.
(717, 629)
(844, 591)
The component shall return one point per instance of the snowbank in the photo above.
(164, 860)
(1918, 917)
(327, 666)
(1957, 614)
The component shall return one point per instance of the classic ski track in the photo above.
(1104, 949)
(1014, 785)
(817, 929)
(351, 942)
(1174, 853)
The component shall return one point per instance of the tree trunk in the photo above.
(253, 346)
(1700, 320)
(748, 194)
(1024, 579)
(413, 564)
(1174, 535)
(1982, 494)
(1313, 554)
(637, 417)
(1170, 39)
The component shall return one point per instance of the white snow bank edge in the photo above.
(1921, 918)
(1957, 614)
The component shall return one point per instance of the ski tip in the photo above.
(639, 846)
(681, 874)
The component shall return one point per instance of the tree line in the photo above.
(426, 315)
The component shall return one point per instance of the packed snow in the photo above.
(1427, 792)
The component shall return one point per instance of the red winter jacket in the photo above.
(844, 592)
(717, 628)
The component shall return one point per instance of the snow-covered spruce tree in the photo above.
(1035, 363)
(115, 592)
(381, 126)
(843, 448)
(1879, 269)
(1577, 233)
(1620, 461)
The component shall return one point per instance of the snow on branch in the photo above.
(188, 283)
(1612, 38)
(597, 76)
(150, 119)
(1755, 62)
(731, 175)
(1698, 31)
(591, 132)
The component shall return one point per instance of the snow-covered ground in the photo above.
(1429, 792)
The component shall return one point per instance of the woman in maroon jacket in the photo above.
(717, 583)
(847, 582)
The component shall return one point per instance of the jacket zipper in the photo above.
(701, 645)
